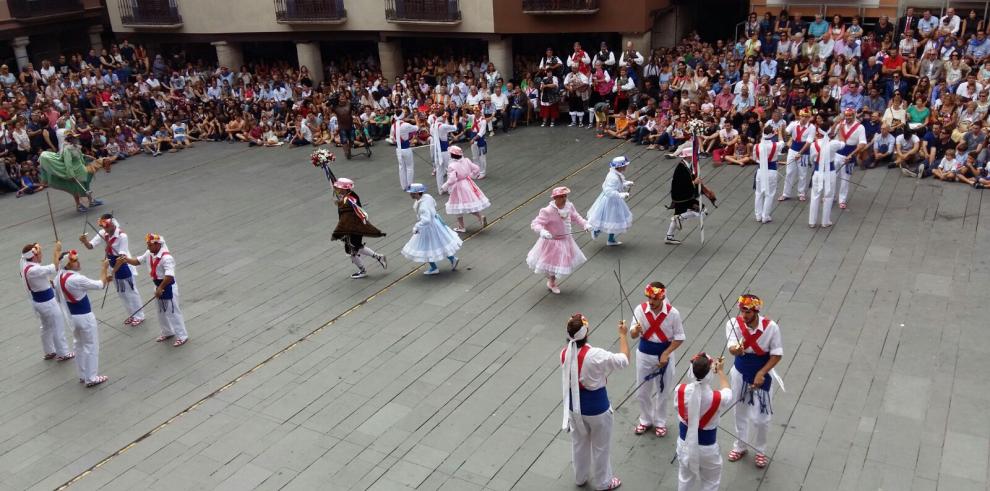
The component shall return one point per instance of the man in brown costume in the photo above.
(353, 226)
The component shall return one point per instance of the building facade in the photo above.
(309, 30)
(32, 30)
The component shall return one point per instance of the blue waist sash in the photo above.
(443, 145)
(81, 307)
(123, 273)
(651, 348)
(594, 402)
(772, 165)
(403, 144)
(748, 364)
(846, 150)
(167, 293)
(797, 146)
(43, 296)
(705, 437)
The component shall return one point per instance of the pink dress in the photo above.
(559, 255)
(465, 196)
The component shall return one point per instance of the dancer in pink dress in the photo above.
(465, 196)
(556, 253)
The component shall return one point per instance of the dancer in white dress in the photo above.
(432, 239)
(610, 213)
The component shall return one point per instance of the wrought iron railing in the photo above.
(310, 10)
(559, 6)
(149, 13)
(441, 11)
(27, 9)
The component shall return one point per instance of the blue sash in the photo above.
(167, 293)
(443, 145)
(594, 402)
(747, 365)
(123, 273)
(651, 348)
(81, 307)
(43, 296)
(772, 165)
(846, 150)
(403, 144)
(705, 437)
(797, 146)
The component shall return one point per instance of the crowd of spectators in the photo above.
(919, 86)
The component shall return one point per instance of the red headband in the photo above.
(655, 291)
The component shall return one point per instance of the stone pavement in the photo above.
(297, 377)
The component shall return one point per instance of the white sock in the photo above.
(356, 259)
(672, 227)
(573, 118)
(367, 252)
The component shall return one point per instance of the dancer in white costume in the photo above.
(610, 213)
(432, 240)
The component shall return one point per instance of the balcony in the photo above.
(423, 11)
(560, 7)
(160, 14)
(310, 11)
(41, 9)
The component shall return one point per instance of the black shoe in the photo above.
(891, 166)
(671, 240)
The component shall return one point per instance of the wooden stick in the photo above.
(51, 214)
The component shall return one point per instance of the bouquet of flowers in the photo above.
(696, 126)
(322, 157)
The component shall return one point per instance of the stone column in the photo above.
(229, 55)
(20, 45)
(96, 38)
(390, 56)
(500, 53)
(308, 53)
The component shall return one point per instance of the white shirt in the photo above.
(963, 90)
(576, 78)
(706, 402)
(770, 341)
(474, 99)
(499, 100)
(120, 246)
(403, 130)
(858, 135)
(637, 59)
(165, 266)
(672, 326)
(906, 144)
(827, 149)
(597, 365)
(77, 284)
(38, 276)
(953, 23)
(883, 144)
(807, 132)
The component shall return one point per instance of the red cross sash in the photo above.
(750, 339)
(61, 283)
(707, 416)
(581, 354)
(846, 134)
(26, 269)
(654, 322)
(154, 265)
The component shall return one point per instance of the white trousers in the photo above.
(170, 316)
(763, 202)
(822, 194)
(749, 417)
(441, 168)
(406, 166)
(709, 469)
(798, 172)
(479, 158)
(130, 297)
(87, 336)
(52, 327)
(687, 215)
(844, 173)
(652, 402)
(590, 450)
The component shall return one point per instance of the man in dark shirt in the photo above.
(933, 147)
(127, 51)
(798, 102)
(345, 122)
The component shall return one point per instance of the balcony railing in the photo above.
(310, 11)
(560, 7)
(423, 11)
(150, 13)
(32, 9)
